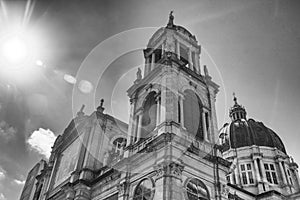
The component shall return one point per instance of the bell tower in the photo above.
(172, 125)
(173, 92)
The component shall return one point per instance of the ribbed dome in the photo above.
(243, 133)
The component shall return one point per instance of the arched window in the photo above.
(196, 190)
(192, 110)
(149, 115)
(144, 190)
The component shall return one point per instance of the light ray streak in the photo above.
(28, 11)
(3, 10)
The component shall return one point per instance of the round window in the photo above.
(144, 190)
(196, 190)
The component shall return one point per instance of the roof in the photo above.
(242, 133)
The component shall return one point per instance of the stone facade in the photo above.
(167, 150)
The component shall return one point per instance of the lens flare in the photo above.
(15, 50)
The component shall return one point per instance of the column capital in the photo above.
(168, 169)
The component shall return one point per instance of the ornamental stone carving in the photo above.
(224, 190)
(168, 169)
(122, 187)
(69, 192)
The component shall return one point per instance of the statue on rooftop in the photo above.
(171, 19)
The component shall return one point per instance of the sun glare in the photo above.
(15, 50)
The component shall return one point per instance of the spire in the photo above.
(237, 111)
(171, 20)
(234, 99)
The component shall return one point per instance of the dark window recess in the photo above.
(243, 167)
(244, 178)
(234, 180)
(259, 169)
(250, 175)
(184, 54)
(274, 178)
(269, 177)
(194, 61)
(207, 121)
(192, 110)
(136, 128)
(266, 166)
(228, 178)
(271, 173)
(179, 112)
(149, 115)
(157, 54)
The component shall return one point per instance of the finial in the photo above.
(171, 19)
(205, 70)
(80, 113)
(139, 74)
(234, 98)
(100, 108)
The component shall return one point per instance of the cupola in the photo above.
(237, 111)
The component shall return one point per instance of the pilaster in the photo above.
(168, 181)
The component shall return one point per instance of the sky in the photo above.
(250, 48)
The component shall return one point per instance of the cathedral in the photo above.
(171, 148)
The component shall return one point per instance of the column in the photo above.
(178, 49)
(152, 61)
(181, 111)
(198, 63)
(131, 122)
(139, 127)
(256, 170)
(232, 178)
(237, 176)
(53, 172)
(147, 66)
(297, 175)
(282, 172)
(262, 167)
(190, 59)
(158, 111)
(263, 175)
(204, 126)
(260, 184)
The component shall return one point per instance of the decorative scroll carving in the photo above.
(176, 169)
(169, 169)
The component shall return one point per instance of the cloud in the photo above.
(41, 141)
(2, 197)
(7, 132)
(19, 182)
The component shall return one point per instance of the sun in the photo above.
(15, 50)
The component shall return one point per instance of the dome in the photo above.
(243, 133)
(179, 29)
